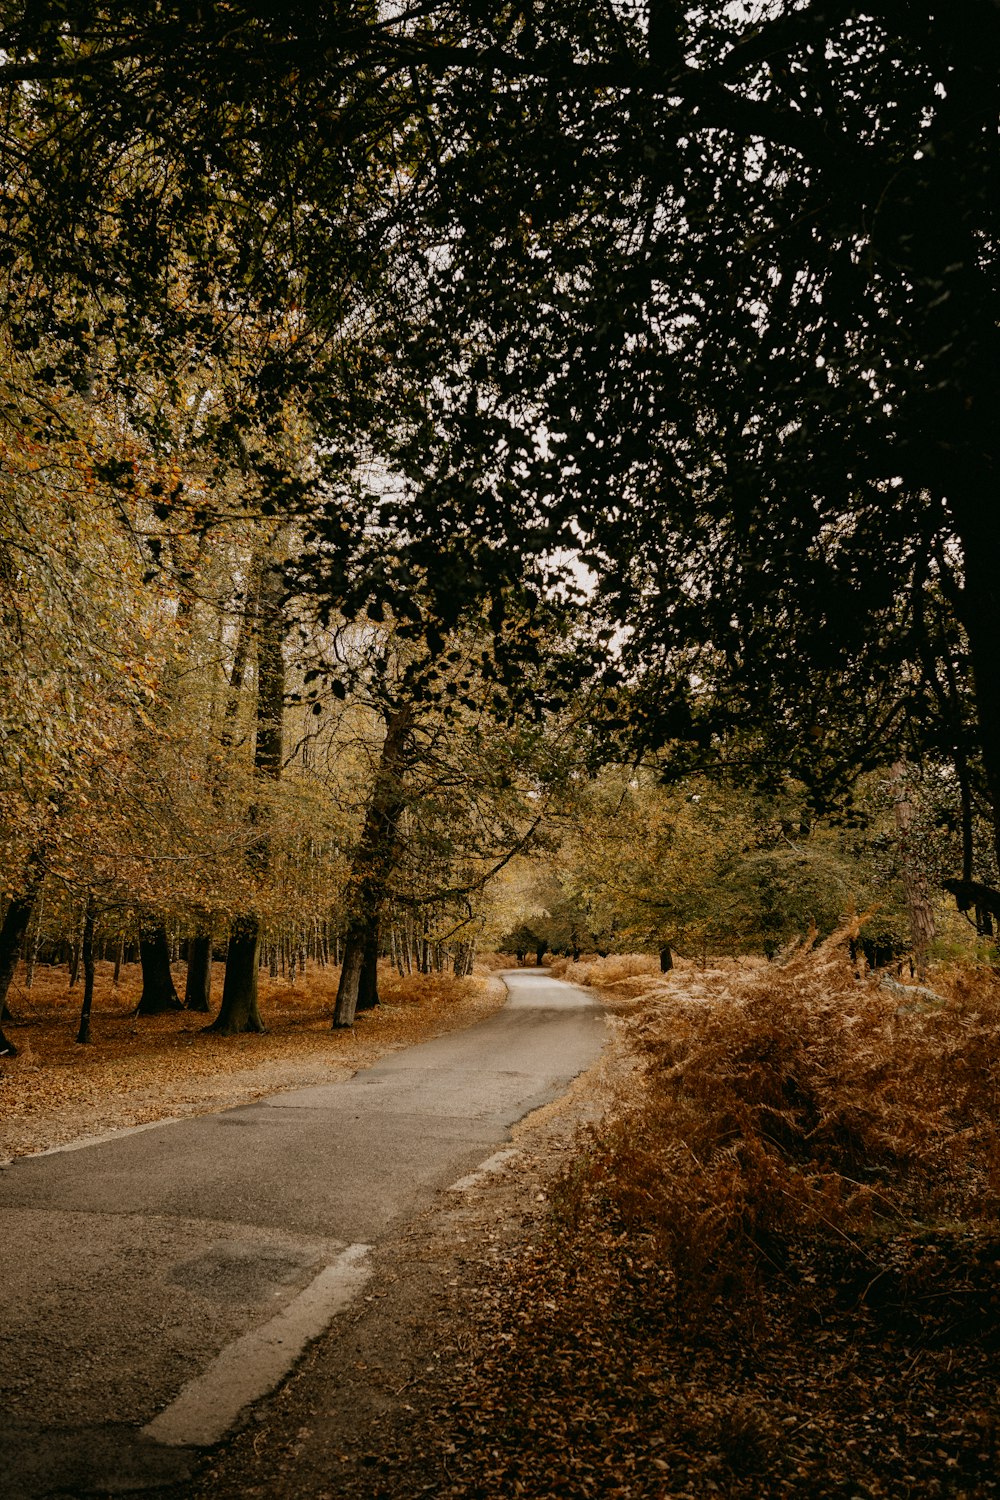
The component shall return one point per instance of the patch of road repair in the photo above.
(252, 1366)
(492, 1164)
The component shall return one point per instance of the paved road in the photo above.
(155, 1284)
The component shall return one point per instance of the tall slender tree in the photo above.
(239, 1010)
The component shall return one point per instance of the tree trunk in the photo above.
(666, 959)
(119, 960)
(368, 996)
(239, 1010)
(396, 950)
(75, 956)
(407, 941)
(15, 923)
(158, 992)
(464, 960)
(376, 855)
(350, 980)
(237, 672)
(198, 984)
(978, 525)
(87, 947)
(36, 942)
(12, 930)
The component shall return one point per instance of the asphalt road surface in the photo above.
(154, 1285)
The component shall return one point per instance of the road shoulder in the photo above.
(351, 1420)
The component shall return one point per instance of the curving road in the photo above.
(154, 1285)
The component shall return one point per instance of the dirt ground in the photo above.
(139, 1070)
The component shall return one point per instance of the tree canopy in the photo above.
(671, 322)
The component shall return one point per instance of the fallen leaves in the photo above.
(847, 1351)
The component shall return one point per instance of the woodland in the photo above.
(442, 440)
(499, 477)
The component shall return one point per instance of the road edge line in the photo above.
(250, 1367)
(485, 1169)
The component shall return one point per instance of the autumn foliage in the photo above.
(771, 1270)
(775, 1109)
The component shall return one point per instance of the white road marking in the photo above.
(83, 1141)
(489, 1166)
(251, 1366)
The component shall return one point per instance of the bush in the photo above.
(797, 1106)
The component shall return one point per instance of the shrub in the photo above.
(796, 1106)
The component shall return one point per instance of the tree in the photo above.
(729, 276)
(707, 865)
(795, 349)
(745, 286)
(375, 858)
(239, 1010)
(462, 780)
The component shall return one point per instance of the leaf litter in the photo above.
(770, 1270)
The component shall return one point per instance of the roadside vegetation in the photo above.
(771, 1270)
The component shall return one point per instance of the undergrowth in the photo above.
(789, 1110)
(770, 1273)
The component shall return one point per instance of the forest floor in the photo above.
(771, 1270)
(138, 1070)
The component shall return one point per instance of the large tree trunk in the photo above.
(12, 930)
(198, 983)
(239, 1010)
(372, 866)
(158, 991)
(15, 923)
(368, 996)
(358, 986)
(349, 984)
